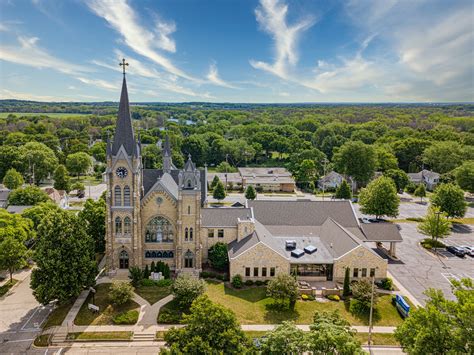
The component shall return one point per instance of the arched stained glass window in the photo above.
(127, 225)
(159, 230)
(126, 196)
(117, 196)
(118, 225)
(191, 234)
(186, 233)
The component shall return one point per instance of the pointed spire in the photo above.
(124, 130)
(189, 166)
(167, 147)
(167, 154)
(108, 149)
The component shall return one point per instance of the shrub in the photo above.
(136, 275)
(187, 289)
(410, 188)
(205, 274)
(249, 283)
(129, 317)
(334, 298)
(218, 256)
(415, 219)
(164, 283)
(120, 292)
(387, 284)
(429, 243)
(357, 307)
(283, 288)
(304, 297)
(146, 272)
(167, 316)
(259, 283)
(237, 281)
(362, 292)
(147, 282)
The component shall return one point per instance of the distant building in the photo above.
(427, 177)
(268, 179)
(330, 181)
(58, 196)
(233, 179)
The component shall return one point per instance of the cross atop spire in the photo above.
(123, 65)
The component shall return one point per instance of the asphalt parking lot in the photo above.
(420, 269)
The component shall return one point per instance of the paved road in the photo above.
(21, 318)
(420, 269)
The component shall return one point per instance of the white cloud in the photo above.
(14, 95)
(124, 20)
(271, 15)
(213, 77)
(99, 83)
(27, 52)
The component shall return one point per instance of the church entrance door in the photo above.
(188, 259)
(123, 260)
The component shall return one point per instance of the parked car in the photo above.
(469, 250)
(365, 220)
(456, 251)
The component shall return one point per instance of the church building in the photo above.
(162, 215)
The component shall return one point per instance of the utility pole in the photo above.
(227, 163)
(437, 224)
(325, 161)
(371, 311)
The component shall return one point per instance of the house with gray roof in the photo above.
(427, 177)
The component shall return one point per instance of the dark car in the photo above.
(456, 251)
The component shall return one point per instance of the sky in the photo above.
(272, 51)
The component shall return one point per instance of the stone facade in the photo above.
(360, 258)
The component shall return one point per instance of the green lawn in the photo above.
(7, 286)
(42, 340)
(58, 314)
(170, 313)
(153, 293)
(101, 336)
(107, 311)
(252, 306)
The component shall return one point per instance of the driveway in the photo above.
(21, 319)
(420, 269)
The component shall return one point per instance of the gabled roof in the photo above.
(337, 239)
(381, 232)
(330, 177)
(124, 130)
(303, 213)
(223, 217)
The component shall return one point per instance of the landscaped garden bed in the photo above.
(153, 291)
(100, 336)
(58, 314)
(7, 286)
(107, 311)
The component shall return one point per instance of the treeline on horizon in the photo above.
(307, 139)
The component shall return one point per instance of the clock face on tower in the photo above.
(121, 172)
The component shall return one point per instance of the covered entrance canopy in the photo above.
(382, 232)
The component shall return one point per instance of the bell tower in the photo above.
(189, 246)
(123, 179)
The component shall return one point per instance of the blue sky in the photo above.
(238, 50)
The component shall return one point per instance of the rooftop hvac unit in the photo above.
(310, 249)
(290, 244)
(297, 253)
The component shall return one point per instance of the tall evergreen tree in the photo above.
(343, 191)
(250, 193)
(61, 179)
(219, 191)
(346, 291)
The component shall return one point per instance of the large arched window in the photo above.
(118, 225)
(117, 196)
(127, 225)
(191, 234)
(126, 196)
(186, 233)
(159, 230)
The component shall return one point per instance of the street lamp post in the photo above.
(371, 310)
(325, 161)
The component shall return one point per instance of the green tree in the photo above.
(13, 179)
(306, 172)
(386, 160)
(38, 212)
(399, 177)
(214, 182)
(98, 151)
(449, 198)
(186, 289)
(64, 256)
(357, 160)
(283, 288)
(420, 192)
(435, 225)
(362, 294)
(346, 290)
(285, 339)
(61, 179)
(78, 163)
(120, 292)
(332, 334)
(27, 196)
(218, 256)
(225, 167)
(465, 176)
(38, 160)
(443, 157)
(210, 328)
(380, 198)
(9, 158)
(442, 326)
(135, 274)
(93, 215)
(250, 193)
(219, 191)
(343, 191)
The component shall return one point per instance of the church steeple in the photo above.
(124, 130)
(167, 154)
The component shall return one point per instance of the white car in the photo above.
(469, 250)
(365, 220)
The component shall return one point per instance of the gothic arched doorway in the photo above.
(188, 259)
(123, 260)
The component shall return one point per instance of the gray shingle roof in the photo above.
(303, 213)
(337, 239)
(223, 217)
(381, 232)
(124, 130)
(235, 248)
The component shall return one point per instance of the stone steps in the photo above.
(143, 336)
(59, 338)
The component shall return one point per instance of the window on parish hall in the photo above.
(210, 233)
(264, 271)
(372, 272)
(220, 233)
(255, 271)
(356, 272)
(272, 271)
(247, 271)
(364, 272)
